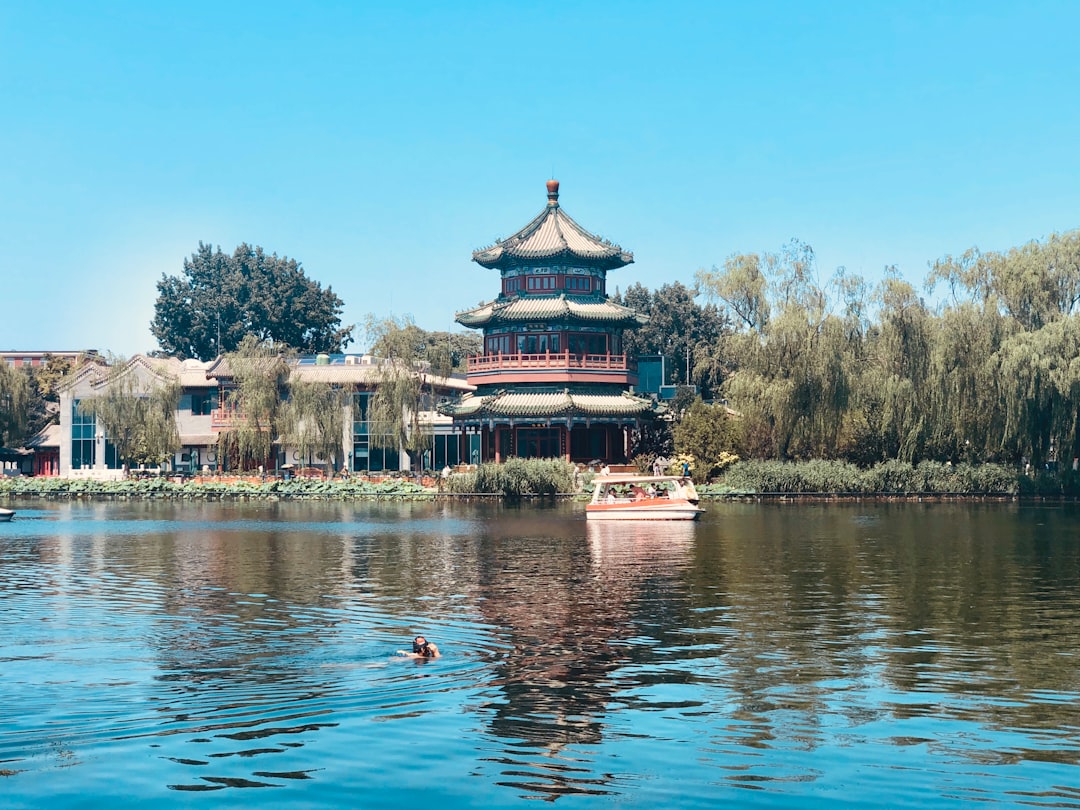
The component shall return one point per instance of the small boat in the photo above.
(643, 497)
(6, 514)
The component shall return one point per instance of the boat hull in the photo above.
(650, 509)
(6, 514)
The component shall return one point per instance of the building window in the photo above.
(538, 443)
(588, 344)
(579, 283)
(83, 443)
(202, 404)
(366, 457)
(541, 282)
(447, 451)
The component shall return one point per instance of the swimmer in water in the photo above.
(421, 648)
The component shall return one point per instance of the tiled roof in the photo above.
(552, 234)
(545, 404)
(48, 436)
(551, 307)
(367, 374)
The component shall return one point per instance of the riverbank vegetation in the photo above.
(162, 487)
(847, 371)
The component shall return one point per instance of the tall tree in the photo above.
(220, 298)
(313, 420)
(139, 419)
(15, 396)
(259, 372)
(688, 334)
(707, 433)
(408, 372)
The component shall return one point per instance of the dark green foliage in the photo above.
(518, 477)
(139, 419)
(221, 298)
(161, 487)
(887, 478)
(15, 398)
(705, 432)
(685, 332)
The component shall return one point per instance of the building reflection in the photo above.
(568, 609)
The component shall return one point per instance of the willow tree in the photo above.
(793, 383)
(1038, 376)
(407, 374)
(313, 420)
(137, 413)
(256, 374)
(14, 404)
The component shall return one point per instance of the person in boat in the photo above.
(421, 648)
(650, 491)
(611, 495)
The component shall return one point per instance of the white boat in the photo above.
(643, 497)
(6, 514)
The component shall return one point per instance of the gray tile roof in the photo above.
(553, 234)
(367, 374)
(551, 307)
(546, 404)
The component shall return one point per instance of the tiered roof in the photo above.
(531, 308)
(553, 235)
(548, 404)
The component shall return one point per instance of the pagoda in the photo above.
(553, 381)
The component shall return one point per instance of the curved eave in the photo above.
(529, 309)
(499, 258)
(509, 404)
(553, 234)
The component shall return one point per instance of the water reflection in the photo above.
(569, 607)
(788, 653)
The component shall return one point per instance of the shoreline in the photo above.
(226, 492)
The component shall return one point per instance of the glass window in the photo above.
(83, 443)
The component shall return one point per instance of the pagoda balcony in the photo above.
(551, 367)
(478, 364)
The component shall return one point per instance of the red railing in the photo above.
(564, 360)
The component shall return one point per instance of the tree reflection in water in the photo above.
(570, 608)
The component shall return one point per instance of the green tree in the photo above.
(15, 396)
(137, 416)
(688, 334)
(408, 371)
(45, 381)
(709, 434)
(458, 345)
(256, 375)
(313, 420)
(219, 299)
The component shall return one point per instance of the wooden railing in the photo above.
(552, 360)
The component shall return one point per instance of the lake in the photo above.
(770, 655)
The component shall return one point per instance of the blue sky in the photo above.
(381, 143)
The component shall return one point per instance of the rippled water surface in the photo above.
(771, 655)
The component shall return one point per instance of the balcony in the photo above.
(479, 364)
(551, 367)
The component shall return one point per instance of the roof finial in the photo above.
(553, 192)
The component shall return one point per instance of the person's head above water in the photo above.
(422, 648)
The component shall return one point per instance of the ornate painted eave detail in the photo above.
(550, 236)
(532, 308)
(541, 405)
